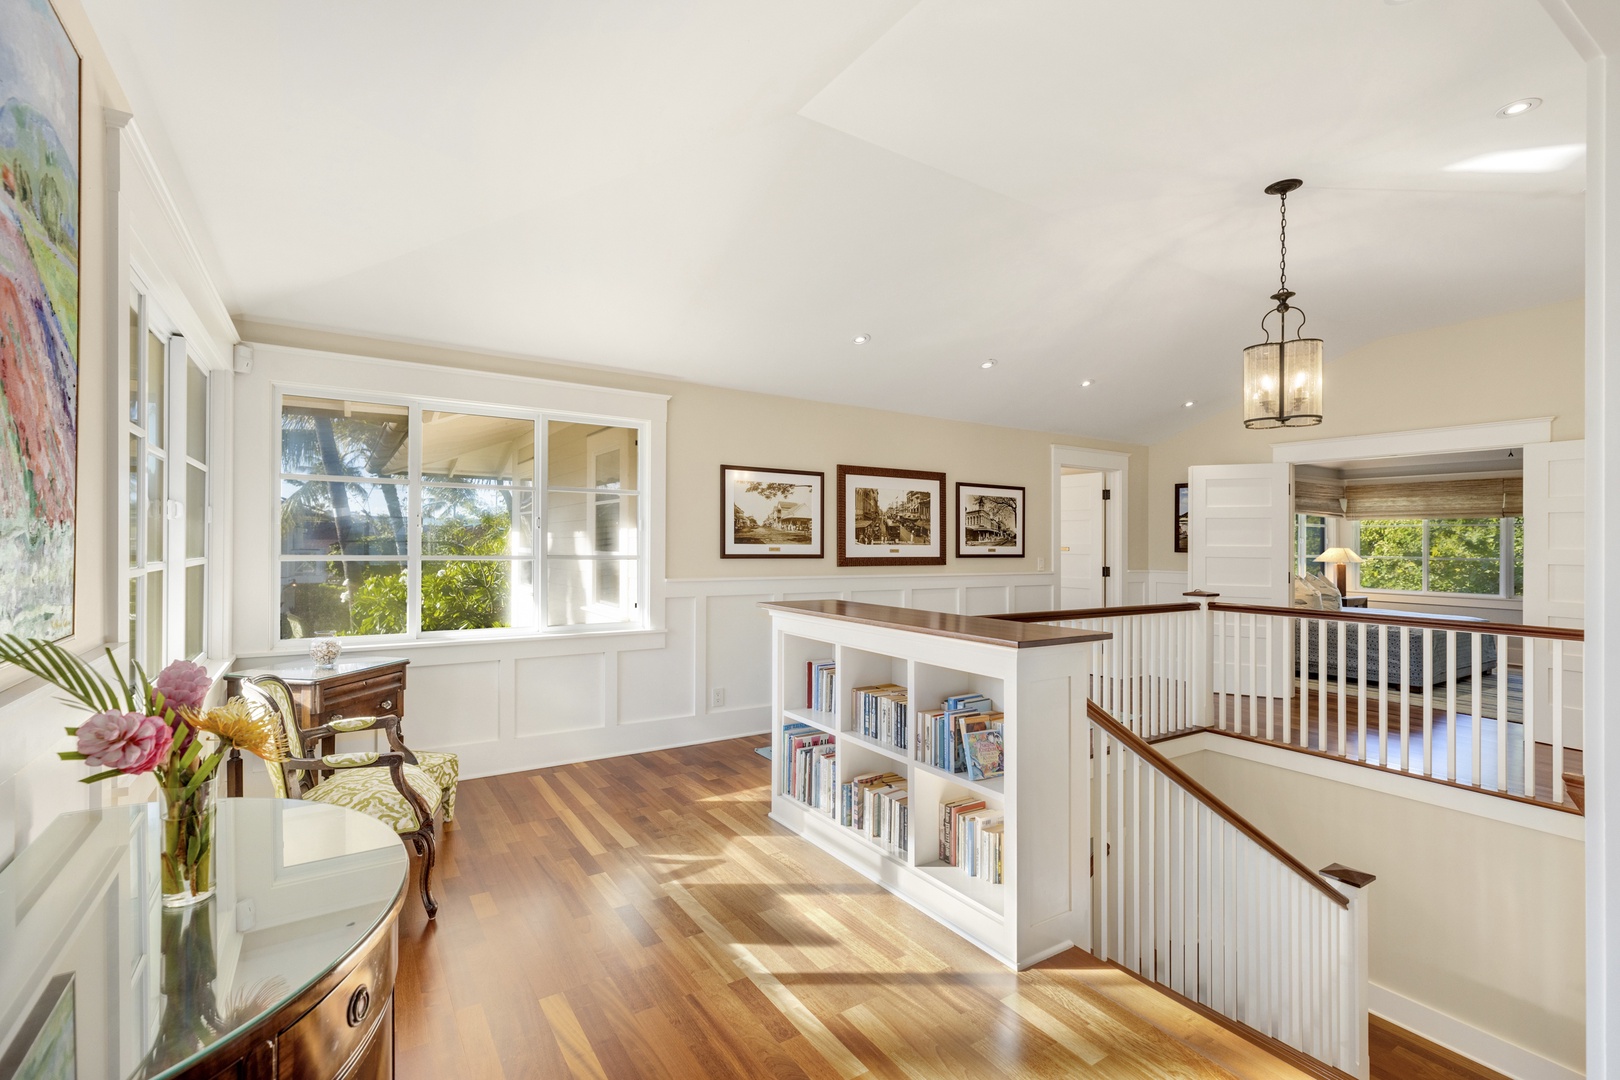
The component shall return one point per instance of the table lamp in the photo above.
(1338, 557)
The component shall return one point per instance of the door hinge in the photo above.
(1107, 494)
(1108, 571)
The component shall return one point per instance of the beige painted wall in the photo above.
(1503, 367)
(1474, 917)
(709, 426)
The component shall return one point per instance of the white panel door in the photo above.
(1555, 568)
(1240, 544)
(1080, 533)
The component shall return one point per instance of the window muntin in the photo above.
(1452, 556)
(407, 519)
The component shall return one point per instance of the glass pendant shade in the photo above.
(1282, 384)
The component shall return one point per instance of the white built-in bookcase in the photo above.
(1036, 676)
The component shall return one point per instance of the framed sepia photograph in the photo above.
(771, 513)
(890, 517)
(1181, 518)
(989, 521)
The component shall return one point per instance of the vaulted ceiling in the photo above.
(727, 191)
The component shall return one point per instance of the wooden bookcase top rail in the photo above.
(986, 631)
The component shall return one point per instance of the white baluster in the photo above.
(1405, 637)
(1361, 691)
(1557, 720)
(1343, 635)
(1428, 702)
(1271, 681)
(1528, 735)
(1501, 712)
(1476, 646)
(1451, 705)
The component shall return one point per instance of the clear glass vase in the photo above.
(188, 811)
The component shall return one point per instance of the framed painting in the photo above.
(890, 517)
(989, 521)
(1181, 518)
(39, 311)
(771, 513)
(45, 1046)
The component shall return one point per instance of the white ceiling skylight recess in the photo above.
(1535, 159)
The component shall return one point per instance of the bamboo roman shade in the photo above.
(1500, 497)
(1313, 496)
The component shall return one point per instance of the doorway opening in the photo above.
(1089, 523)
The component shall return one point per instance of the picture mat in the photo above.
(990, 521)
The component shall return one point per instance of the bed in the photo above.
(1387, 662)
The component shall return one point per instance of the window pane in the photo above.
(1518, 556)
(134, 629)
(154, 508)
(477, 521)
(1315, 543)
(1464, 554)
(1392, 555)
(323, 518)
(482, 595)
(134, 500)
(196, 512)
(585, 591)
(342, 598)
(156, 362)
(344, 438)
(590, 456)
(196, 413)
(135, 364)
(580, 524)
(477, 449)
(1479, 576)
(196, 595)
(151, 631)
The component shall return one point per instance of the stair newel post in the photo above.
(1203, 659)
(1353, 998)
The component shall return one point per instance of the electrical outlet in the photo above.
(717, 698)
(1040, 563)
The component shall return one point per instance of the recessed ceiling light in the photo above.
(862, 339)
(1085, 382)
(1188, 404)
(988, 364)
(1535, 159)
(1518, 108)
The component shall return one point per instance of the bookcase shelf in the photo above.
(1035, 676)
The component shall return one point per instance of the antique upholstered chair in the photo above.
(391, 786)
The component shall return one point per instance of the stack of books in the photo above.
(970, 837)
(945, 734)
(820, 685)
(881, 714)
(878, 805)
(809, 766)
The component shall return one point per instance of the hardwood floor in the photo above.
(1397, 1054)
(640, 917)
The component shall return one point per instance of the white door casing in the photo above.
(1555, 569)
(1081, 541)
(1240, 544)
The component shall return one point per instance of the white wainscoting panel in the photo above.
(987, 600)
(452, 703)
(660, 684)
(558, 693)
(891, 597)
(935, 600)
(739, 649)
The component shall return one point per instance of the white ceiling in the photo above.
(726, 191)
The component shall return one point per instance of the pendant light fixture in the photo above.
(1282, 379)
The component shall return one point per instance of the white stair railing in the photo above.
(1190, 896)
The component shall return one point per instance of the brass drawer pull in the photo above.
(386, 704)
(359, 1006)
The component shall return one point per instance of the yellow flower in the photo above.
(238, 725)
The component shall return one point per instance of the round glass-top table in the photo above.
(97, 979)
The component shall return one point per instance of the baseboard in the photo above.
(1507, 1058)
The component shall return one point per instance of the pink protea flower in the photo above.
(128, 742)
(183, 685)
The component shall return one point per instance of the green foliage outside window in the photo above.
(1392, 555)
(1463, 555)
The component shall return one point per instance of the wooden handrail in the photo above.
(1141, 749)
(1418, 622)
(1094, 613)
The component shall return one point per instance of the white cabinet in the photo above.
(1036, 676)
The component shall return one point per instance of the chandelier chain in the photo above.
(1283, 242)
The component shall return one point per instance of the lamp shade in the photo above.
(1282, 384)
(1337, 555)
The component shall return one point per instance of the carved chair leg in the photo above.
(425, 847)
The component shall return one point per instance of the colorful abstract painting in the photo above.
(39, 318)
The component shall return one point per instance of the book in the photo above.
(820, 685)
(949, 815)
(984, 754)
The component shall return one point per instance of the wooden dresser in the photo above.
(354, 686)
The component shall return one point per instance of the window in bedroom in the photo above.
(1310, 540)
(407, 519)
(166, 561)
(1456, 556)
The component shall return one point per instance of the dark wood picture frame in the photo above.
(852, 552)
(729, 545)
(1007, 549)
(1183, 519)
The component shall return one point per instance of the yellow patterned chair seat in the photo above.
(444, 768)
(372, 791)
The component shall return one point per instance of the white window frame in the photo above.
(542, 417)
(1330, 538)
(172, 559)
(1504, 567)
